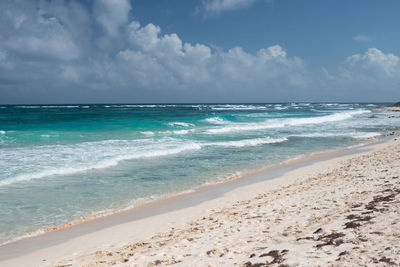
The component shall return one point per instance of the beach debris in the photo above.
(317, 231)
(355, 220)
(387, 260)
(330, 240)
(277, 257)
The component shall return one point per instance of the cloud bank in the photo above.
(64, 51)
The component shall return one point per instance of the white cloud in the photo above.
(112, 14)
(52, 42)
(157, 61)
(224, 5)
(361, 38)
(38, 33)
(369, 76)
(374, 61)
(56, 46)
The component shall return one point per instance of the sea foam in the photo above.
(360, 135)
(237, 107)
(280, 123)
(216, 120)
(249, 142)
(85, 157)
(106, 154)
(181, 124)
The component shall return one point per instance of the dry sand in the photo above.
(393, 108)
(339, 212)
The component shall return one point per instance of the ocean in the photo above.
(60, 163)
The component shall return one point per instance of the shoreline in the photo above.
(173, 204)
(306, 159)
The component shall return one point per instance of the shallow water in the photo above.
(61, 163)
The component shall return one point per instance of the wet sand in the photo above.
(315, 209)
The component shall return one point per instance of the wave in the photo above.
(367, 135)
(27, 106)
(175, 132)
(280, 123)
(328, 118)
(280, 107)
(2, 132)
(360, 135)
(148, 133)
(139, 106)
(249, 142)
(59, 106)
(102, 155)
(237, 107)
(182, 131)
(338, 106)
(128, 106)
(216, 120)
(168, 133)
(49, 106)
(182, 124)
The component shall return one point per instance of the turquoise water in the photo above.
(62, 163)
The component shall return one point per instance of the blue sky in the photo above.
(199, 51)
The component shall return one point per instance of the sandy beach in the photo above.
(199, 133)
(338, 212)
(396, 109)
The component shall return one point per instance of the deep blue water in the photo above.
(61, 163)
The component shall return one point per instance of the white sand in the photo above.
(393, 108)
(339, 212)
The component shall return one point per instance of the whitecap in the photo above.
(280, 123)
(27, 106)
(367, 135)
(182, 124)
(249, 142)
(59, 106)
(236, 107)
(181, 132)
(148, 133)
(85, 157)
(359, 135)
(216, 120)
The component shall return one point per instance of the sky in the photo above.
(188, 51)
